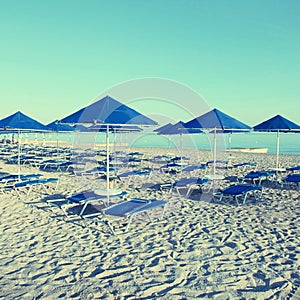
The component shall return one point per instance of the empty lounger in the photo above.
(291, 180)
(241, 191)
(29, 184)
(126, 210)
(256, 177)
(188, 184)
(84, 198)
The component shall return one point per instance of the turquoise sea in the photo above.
(289, 142)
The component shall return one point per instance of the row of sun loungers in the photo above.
(25, 183)
(107, 207)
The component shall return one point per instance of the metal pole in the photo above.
(107, 163)
(19, 154)
(215, 151)
(277, 150)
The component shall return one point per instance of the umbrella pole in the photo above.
(57, 140)
(181, 150)
(19, 155)
(115, 144)
(107, 164)
(277, 150)
(215, 153)
(57, 137)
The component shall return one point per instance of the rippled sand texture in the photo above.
(200, 250)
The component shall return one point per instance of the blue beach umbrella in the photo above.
(108, 112)
(81, 128)
(22, 123)
(158, 130)
(115, 128)
(218, 122)
(277, 124)
(57, 127)
(179, 128)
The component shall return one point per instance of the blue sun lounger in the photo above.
(256, 177)
(171, 168)
(244, 165)
(189, 184)
(293, 169)
(191, 168)
(7, 182)
(240, 191)
(291, 180)
(126, 210)
(16, 177)
(131, 175)
(40, 183)
(83, 199)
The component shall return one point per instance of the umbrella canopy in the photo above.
(58, 127)
(179, 128)
(220, 123)
(20, 121)
(108, 111)
(277, 124)
(82, 128)
(116, 128)
(215, 119)
(163, 127)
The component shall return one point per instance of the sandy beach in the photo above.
(201, 249)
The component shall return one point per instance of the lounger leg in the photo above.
(110, 227)
(221, 197)
(245, 198)
(128, 224)
(149, 217)
(45, 188)
(163, 212)
(18, 193)
(189, 191)
(83, 209)
(29, 190)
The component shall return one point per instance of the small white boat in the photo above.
(249, 150)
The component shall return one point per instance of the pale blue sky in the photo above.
(242, 57)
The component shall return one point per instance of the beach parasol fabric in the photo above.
(19, 121)
(277, 124)
(58, 127)
(163, 127)
(115, 128)
(109, 112)
(218, 122)
(179, 128)
(81, 128)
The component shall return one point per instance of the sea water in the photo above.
(289, 142)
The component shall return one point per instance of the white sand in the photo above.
(200, 250)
